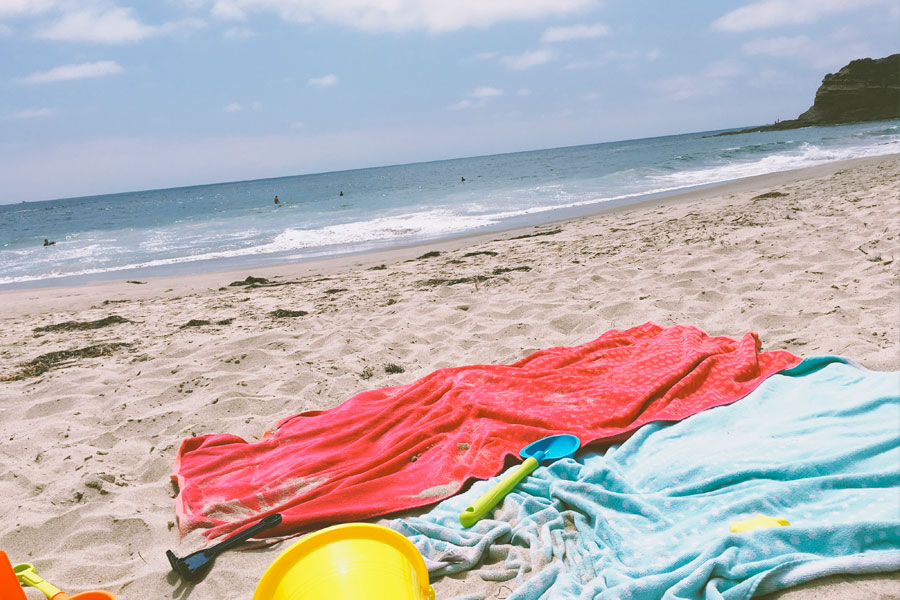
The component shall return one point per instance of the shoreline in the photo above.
(808, 259)
(192, 282)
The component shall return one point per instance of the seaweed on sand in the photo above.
(282, 313)
(769, 195)
(539, 233)
(45, 362)
(202, 322)
(253, 281)
(501, 270)
(440, 281)
(82, 325)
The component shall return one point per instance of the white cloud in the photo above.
(529, 59)
(256, 105)
(238, 33)
(114, 26)
(183, 27)
(711, 81)
(101, 68)
(524, 92)
(575, 32)
(109, 26)
(486, 92)
(462, 105)
(18, 8)
(324, 81)
(33, 113)
(228, 11)
(835, 52)
(435, 16)
(776, 13)
(477, 97)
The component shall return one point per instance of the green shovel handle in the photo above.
(26, 575)
(489, 500)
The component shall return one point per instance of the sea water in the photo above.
(230, 225)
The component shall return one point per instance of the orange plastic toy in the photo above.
(9, 583)
(27, 575)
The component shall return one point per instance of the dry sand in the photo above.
(88, 445)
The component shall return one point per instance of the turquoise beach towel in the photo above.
(818, 445)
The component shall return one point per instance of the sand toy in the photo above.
(549, 448)
(355, 560)
(758, 522)
(193, 566)
(10, 589)
(28, 576)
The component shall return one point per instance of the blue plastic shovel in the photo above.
(549, 448)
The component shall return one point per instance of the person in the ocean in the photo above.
(276, 200)
(342, 194)
(48, 242)
(462, 178)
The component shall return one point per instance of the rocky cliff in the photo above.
(865, 90)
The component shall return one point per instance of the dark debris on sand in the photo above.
(108, 302)
(82, 325)
(202, 322)
(474, 279)
(502, 270)
(45, 362)
(440, 281)
(257, 282)
(769, 195)
(392, 368)
(252, 281)
(537, 234)
(479, 253)
(283, 313)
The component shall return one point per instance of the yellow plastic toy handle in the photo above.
(28, 576)
(489, 500)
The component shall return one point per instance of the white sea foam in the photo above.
(807, 155)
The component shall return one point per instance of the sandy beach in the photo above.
(91, 418)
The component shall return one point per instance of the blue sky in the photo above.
(100, 96)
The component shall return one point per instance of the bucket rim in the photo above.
(285, 561)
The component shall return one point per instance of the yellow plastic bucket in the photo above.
(353, 561)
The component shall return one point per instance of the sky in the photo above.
(105, 96)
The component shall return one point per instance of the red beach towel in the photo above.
(407, 446)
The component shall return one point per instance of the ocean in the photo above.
(232, 225)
